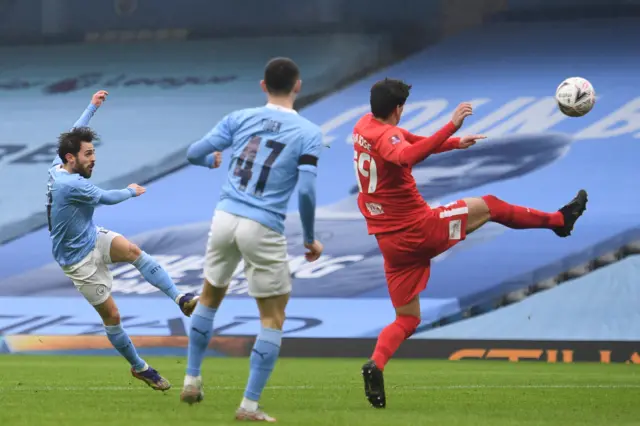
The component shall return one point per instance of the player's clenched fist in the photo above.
(217, 160)
(99, 97)
(139, 189)
(314, 251)
(462, 111)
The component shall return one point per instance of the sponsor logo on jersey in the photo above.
(374, 208)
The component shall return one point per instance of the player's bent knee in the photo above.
(212, 295)
(134, 251)
(113, 319)
(478, 213)
(490, 201)
(109, 313)
(477, 206)
(410, 309)
(272, 316)
(123, 250)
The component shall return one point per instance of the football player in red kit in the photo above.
(408, 231)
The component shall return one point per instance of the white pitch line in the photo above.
(302, 387)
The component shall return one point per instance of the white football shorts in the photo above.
(233, 238)
(91, 275)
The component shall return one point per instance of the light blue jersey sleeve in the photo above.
(84, 192)
(308, 166)
(83, 121)
(200, 153)
(311, 150)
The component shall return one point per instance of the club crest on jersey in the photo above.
(394, 140)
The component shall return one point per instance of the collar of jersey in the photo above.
(280, 108)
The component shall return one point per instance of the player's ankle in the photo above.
(378, 361)
(145, 367)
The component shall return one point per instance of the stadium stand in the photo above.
(535, 156)
(602, 305)
(186, 86)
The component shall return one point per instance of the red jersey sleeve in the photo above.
(449, 145)
(393, 146)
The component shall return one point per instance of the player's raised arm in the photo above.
(96, 101)
(307, 167)
(206, 151)
(84, 192)
(448, 145)
(406, 154)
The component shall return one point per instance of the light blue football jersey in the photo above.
(72, 202)
(269, 145)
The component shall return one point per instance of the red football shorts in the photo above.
(408, 252)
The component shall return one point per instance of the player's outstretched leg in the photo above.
(122, 250)
(263, 357)
(517, 217)
(200, 334)
(389, 340)
(122, 343)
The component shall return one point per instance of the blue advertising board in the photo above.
(534, 156)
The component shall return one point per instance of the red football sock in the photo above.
(392, 337)
(517, 217)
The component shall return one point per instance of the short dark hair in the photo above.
(280, 76)
(71, 141)
(387, 95)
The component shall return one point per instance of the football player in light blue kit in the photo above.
(273, 150)
(84, 251)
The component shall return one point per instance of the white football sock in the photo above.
(249, 405)
(192, 380)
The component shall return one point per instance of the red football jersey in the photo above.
(389, 198)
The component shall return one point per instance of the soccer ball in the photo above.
(575, 96)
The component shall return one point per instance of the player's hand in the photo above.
(99, 97)
(314, 251)
(462, 111)
(469, 140)
(217, 160)
(139, 189)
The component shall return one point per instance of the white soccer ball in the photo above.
(575, 96)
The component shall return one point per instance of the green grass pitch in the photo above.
(70, 390)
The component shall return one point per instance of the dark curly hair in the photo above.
(70, 142)
(387, 95)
